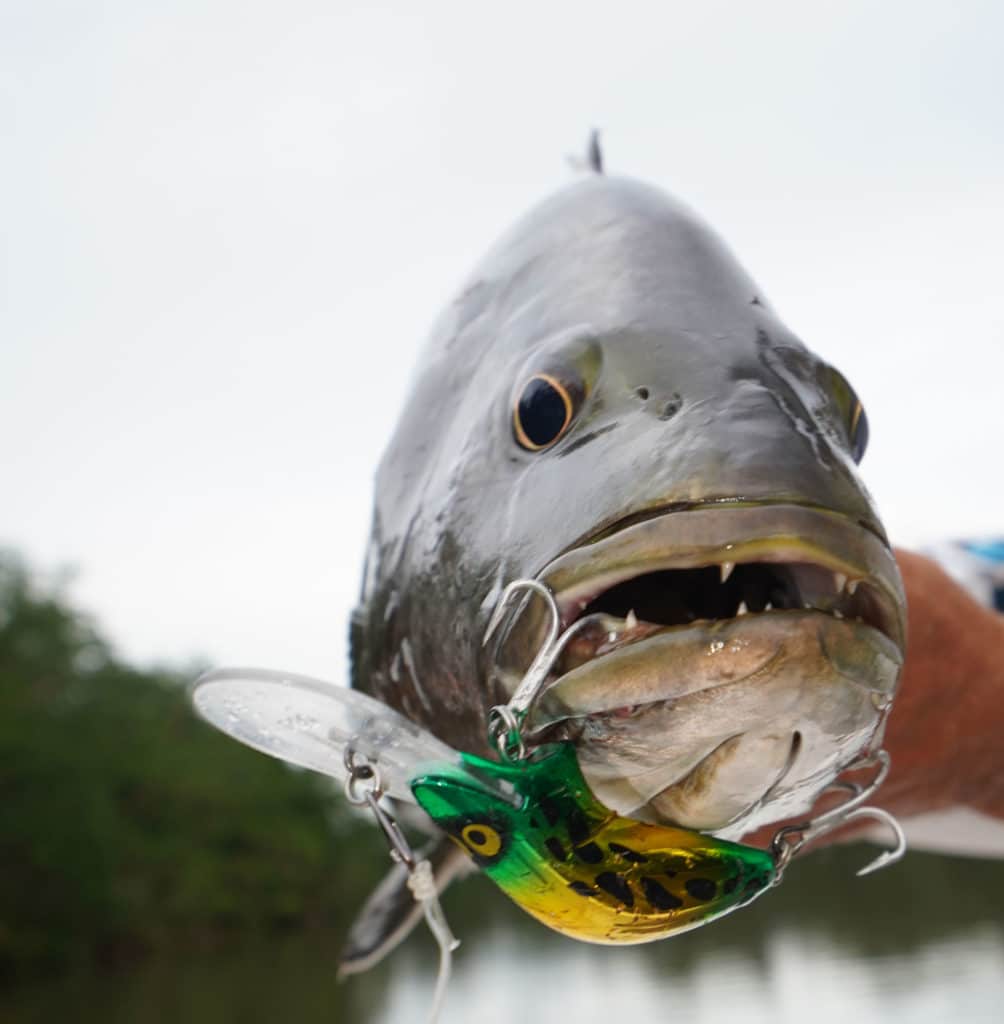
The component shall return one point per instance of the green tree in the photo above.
(127, 824)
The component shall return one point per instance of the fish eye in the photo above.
(851, 412)
(481, 839)
(858, 431)
(543, 411)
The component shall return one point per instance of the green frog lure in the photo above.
(528, 820)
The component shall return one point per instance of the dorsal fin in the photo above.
(590, 162)
(594, 152)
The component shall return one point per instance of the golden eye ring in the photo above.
(542, 412)
(481, 839)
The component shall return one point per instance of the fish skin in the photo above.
(628, 285)
(618, 269)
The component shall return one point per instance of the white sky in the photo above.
(225, 229)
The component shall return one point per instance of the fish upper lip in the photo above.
(607, 529)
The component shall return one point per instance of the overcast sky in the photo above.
(226, 227)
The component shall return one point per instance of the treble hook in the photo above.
(505, 721)
(541, 664)
(789, 840)
(886, 857)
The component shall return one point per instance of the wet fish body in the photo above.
(612, 407)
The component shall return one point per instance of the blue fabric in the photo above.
(993, 550)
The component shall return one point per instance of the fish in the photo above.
(611, 406)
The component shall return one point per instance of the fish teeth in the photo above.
(852, 586)
(742, 609)
(631, 620)
(726, 569)
(840, 580)
(768, 607)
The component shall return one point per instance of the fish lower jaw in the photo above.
(696, 725)
(655, 670)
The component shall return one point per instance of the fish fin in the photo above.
(391, 912)
(594, 152)
(592, 161)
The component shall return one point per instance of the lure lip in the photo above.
(310, 723)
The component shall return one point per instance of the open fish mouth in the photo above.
(728, 661)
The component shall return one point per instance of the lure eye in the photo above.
(543, 412)
(481, 839)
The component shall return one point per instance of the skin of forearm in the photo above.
(946, 730)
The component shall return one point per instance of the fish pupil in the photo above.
(542, 412)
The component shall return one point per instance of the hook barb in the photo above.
(886, 857)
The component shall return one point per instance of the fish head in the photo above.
(612, 407)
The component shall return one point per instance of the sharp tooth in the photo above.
(726, 570)
(742, 610)
(631, 620)
(768, 607)
(852, 586)
(838, 613)
(840, 580)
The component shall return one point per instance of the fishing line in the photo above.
(421, 882)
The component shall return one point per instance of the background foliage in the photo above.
(126, 824)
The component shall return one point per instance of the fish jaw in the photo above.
(723, 722)
(744, 720)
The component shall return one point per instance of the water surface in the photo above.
(921, 942)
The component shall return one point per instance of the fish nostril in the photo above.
(642, 393)
(671, 408)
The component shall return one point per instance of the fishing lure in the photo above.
(528, 820)
(538, 832)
